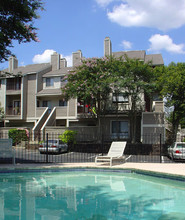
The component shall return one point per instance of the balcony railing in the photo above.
(13, 86)
(13, 111)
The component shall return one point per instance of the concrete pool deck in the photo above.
(177, 169)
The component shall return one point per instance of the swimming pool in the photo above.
(89, 194)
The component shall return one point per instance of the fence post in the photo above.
(47, 148)
(102, 143)
(160, 149)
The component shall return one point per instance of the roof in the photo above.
(49, 92)
(156, 59)
(33, 68)
(138, 54)
(60, 72)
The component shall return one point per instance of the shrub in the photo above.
(68, 137)
(18, 135)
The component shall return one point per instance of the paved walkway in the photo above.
(173, 169)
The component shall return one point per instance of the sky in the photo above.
(65, 26)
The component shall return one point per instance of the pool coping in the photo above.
(148, 169)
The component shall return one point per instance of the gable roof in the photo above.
(23, 70)
(50, 92)
(156, 59)
(138, 54)
(60, 72)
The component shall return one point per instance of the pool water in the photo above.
(89, 195)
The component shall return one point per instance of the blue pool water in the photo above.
(89, 195)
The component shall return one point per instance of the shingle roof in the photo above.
(156, 59)
(33, 68)
(49, 92)
(141, 55)
(60, 72)
(138, 54)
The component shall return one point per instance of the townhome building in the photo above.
(32, 98)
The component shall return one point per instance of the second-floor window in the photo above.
(49, 82)
(14, 84)
(119, 98)
(62, 103)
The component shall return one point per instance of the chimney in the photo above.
(77, 56)
(13, 63)
(55, 61)
(63, 62)
(107, 47)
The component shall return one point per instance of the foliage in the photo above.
(90, 82)
(68, 136)
(171, 83)
(2, 114)
(135, 78)
(17, 23)
(94, 80)
(18, 135)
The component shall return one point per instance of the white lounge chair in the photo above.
(115, 152)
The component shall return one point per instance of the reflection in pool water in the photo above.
(89, 195)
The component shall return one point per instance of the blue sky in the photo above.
(157, 26)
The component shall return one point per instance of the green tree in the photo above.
(1, 113)
(171, 82)
(90, 83)
(17, 23)
(135, 78)
(94, 80)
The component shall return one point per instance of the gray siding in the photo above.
(39, 78)
(107, 47)
(31, 105)
(55, 61)
(153, 118)
(24, 96)
(77, 56)
(72, 107)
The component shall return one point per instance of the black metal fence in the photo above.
(150, 149)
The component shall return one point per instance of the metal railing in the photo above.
(86, 148)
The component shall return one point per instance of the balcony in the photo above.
(13, 113)
(61, 112)
(84, 111)
(13, 86)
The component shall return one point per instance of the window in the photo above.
(49, 82)
(45, 104)
(62, 103)
(120, 98)
(120, 129)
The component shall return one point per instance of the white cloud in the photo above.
(164, 42)
(104, 3)
(126, 44)
(45, 57)
(163, 15)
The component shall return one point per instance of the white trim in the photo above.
(40, 118)
(153, 125)
(22, 96)
(5, 97)
(70, 117)
(44, 125)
